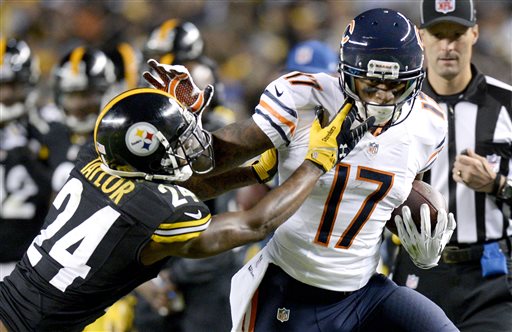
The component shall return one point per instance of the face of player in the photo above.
(81, 108)
(12, 101)
(12, 92)
(379, 92)
(448, 48)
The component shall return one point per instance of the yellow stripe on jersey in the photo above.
(180, 234)
(183, 224)
(285, 121)
(177, 238)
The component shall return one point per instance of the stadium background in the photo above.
(248, 39)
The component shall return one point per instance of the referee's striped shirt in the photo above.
(479, 118)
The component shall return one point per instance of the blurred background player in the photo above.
(176, 42)
(24, 175)
(127, 61)
(473, 281)
(81, 80)
(176, 300)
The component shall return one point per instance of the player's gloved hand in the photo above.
(332, 143)
(425, 249)
(266, 167)
(177, 81)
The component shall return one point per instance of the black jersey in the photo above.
(87, 254)
(24, 192)
(63, 147)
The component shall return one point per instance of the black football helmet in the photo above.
(146, 133)
(127, 61)
(382, 45)
(81, 79)
(19, 73)
(174, 42)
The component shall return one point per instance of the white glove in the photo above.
(425, 249)
(177, 81)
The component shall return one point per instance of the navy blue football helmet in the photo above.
(381, 45)
(146, 133)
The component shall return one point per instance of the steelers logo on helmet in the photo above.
(141, 139)
(146, 133)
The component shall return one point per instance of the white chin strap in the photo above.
(382, 114)
(180, 176)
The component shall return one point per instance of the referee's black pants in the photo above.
(472, 302)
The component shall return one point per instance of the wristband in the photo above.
(496, 184)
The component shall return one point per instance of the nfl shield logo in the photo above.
(445, 6)
(412, 281)
(373, 148)
(283, 314)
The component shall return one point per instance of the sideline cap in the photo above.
(457, 11)
(312, 56)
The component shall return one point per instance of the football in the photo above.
(421, 193)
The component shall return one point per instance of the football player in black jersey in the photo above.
(81, 79)
(122, 212)
(24, 178)
(180, 42)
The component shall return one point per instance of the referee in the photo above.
(473, 281)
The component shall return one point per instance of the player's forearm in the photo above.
(211, 187)
(237, 143)
(283, 201)
(233, 229)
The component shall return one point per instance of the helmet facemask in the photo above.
(80, 83)
(191, 153)
(386, 115)
(381, 46)
(19, 72)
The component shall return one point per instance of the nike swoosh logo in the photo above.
(197, 215)
(277, 92)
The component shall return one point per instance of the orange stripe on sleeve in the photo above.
(285, 121)
(433, 155)
(254, 307)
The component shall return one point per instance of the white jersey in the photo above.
(332, 241)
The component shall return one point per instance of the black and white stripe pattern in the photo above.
(481, 119)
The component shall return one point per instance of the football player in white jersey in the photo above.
(318, 272)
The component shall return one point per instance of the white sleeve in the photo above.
(276, 113)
